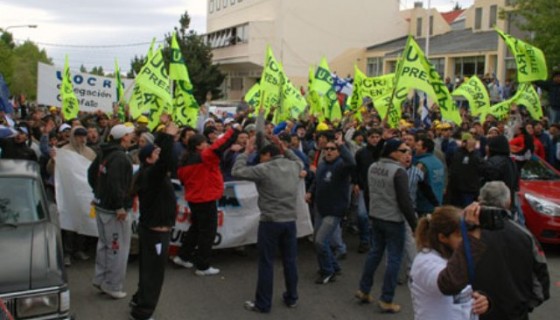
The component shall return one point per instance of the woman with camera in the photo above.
(438, 236)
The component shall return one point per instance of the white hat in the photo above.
(120, 130)
(64, 126)
(208, 120)
(229, 120)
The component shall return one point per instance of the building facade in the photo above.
(461, 42)
(299, 32)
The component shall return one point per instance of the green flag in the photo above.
(185, 111)
(70, 105)
(500, 110)
(186, 108)
(416, 72)
(527, 96)
(177, 67)
(272, 80)
(253, 96)
(476, 93)
(531, 63)
(323, 84)
(312, 97)
(293, 103)
(356, 98)
(120, 93)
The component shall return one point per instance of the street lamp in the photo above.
(32, 26)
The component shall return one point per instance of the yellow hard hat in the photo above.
(129, 124)
(53, 109)
(322, 127)
(142, 119)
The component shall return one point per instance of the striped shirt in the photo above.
(415, 176)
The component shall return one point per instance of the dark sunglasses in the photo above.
(330, 149)
(403, 150)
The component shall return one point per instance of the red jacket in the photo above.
(201, 175)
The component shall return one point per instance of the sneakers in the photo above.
(287, 302)
(208, 272)
(180, 262)
(114, 294)
(388, 307)
(80, 255)
(250, 306)
(363, 297)
(324, 279)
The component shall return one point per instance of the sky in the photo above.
(95, 32)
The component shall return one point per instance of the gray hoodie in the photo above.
(277, 183)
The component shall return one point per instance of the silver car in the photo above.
(33, 282)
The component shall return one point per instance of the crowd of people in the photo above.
(406, 191)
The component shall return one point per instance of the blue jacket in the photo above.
(331, 188)
(435, 175)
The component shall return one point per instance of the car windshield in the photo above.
(20, 201)
(535, 169)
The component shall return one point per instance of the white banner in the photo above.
(93, 92)
(238, 212)
(73, 193)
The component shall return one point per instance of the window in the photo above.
(418, 27)
(236, 84)
(232, 2)
(439, 64)
(20, 201)
(469, 66)
(478, 19)
(431, 25)
(218, 5)
(225, 4)
(493, 16)
(211, 6)
(374, 67)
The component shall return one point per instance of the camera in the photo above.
(491, 218)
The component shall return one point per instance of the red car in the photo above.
(540, 200)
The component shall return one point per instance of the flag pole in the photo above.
(427, 48)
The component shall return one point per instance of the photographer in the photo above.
(512, 269)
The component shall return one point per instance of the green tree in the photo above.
(83, 69)
(540, 17)
(22, 69)
(97, 71)
(135, 66)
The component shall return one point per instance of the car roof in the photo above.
(19, 168)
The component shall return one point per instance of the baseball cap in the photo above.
(120, 130)
(64, 127)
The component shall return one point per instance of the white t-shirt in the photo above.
(428, 302)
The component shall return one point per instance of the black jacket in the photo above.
(464, 172)
(19, 151)
(364, 158)
(110, 177)
(155, 191)
(553, 92)
(513, 272)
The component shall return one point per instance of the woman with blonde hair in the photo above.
(438, 236)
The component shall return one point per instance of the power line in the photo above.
(48, 44)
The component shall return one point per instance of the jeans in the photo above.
(363, 220)
(273, 235)
(390, 235)
(197, 243)
(336, 240)
(325, 228)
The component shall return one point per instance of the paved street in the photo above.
(186, 296)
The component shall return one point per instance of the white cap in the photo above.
(229, 120)
(120, 130)
(64, 126)
(208, 120)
